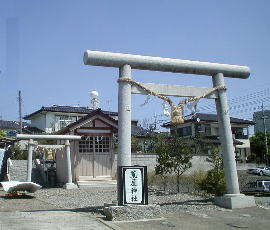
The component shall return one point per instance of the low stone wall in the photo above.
(247, 166)
(149, 160)
(18, 170)
(199, 163)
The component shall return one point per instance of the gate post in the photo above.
(124, 118)
(69, 184)
(233, 198)
(29, 160)
(226, 138)
(124, 124)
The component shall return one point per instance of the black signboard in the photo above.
(132, 184)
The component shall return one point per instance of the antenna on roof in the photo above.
(20, 109)
(94, 100)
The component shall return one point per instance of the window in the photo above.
(97, 144)
(185, 131)
(86, 144)
(207, 130)
(64, 120)
(102, 144)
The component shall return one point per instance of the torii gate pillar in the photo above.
(124, 118)
(233, 198)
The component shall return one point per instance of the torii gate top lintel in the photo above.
(109, 59)
(47, 137)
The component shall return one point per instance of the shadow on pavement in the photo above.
(205, 202)
(92, 209)
(20, 196)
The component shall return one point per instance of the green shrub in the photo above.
(214, 183)
(18, 153)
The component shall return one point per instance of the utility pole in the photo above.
(20, 110)
(265, 136)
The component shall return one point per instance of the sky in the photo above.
(42, 45)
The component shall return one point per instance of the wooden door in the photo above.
(94, 157)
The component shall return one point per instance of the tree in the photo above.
(135, 145)
(173, 156)
(214, 182)
(180, 154)
(164, 164)
(258, 148)
(2, 133)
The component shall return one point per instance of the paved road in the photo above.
(27, 212)
(43, 220)
(246, 218)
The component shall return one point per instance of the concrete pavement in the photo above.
(47, 220)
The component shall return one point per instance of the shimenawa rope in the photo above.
(177, 110)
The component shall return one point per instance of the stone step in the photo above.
(96, 183)
(98, 178)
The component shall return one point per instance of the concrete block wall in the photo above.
(199, 163)
(241, 166)
(148, 160)
(18, 170)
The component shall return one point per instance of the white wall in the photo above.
(39, 121)
(50, 118)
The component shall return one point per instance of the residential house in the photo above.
(54, 118)
(51, 119)
(262, 121)
(11, 128)
(202, 133)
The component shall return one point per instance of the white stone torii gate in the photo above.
(66, 138)
(126, 62)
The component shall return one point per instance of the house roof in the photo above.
(212, 118)
(216, 140)
(32, 130)
(7, 140)
(11, 124)
(67, 109)
(138, 131)
(93, 113)
(135, 130)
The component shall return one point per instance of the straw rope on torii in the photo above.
(49, 150)
(177, 110)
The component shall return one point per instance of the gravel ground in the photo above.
(91, 200)
(180, 211)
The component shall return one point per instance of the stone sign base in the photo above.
(132, 212)
(232, 201)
